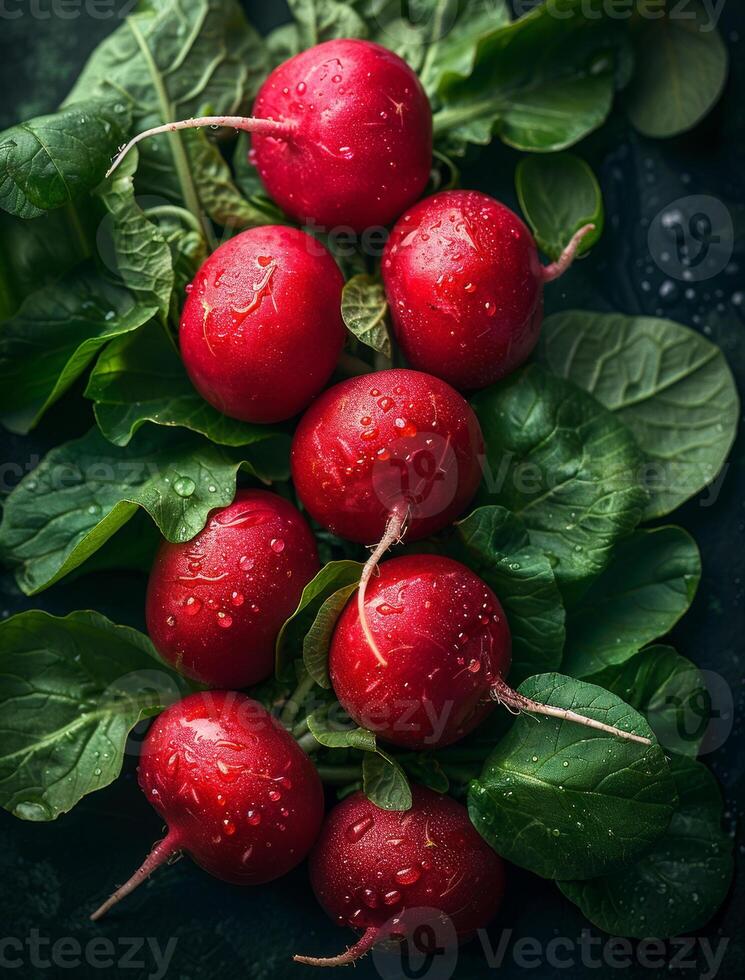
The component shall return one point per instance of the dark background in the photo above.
(52, 875)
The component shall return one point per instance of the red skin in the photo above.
(362, 149)
(445, 638)
(370, 866)
(216, 604)
(465, 288)
(385, 441)
(264, 365)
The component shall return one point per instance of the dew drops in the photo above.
(184, 486)
(277, 545)
(171, 621)
(245, 563)
(408, 876)
(229, 827)
(253, 817)
(275, 795)
(192, 605)
(224, 620)
(357, 831)
(301, 88)
(237, 599)
(392, 897)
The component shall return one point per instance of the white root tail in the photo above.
(265, 127)
(160, 854)
(362, 946)
(515, 702)
(560, 266)
(394, 531)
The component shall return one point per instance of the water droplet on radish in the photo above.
(253, 817)
(277, 545)
(357, 831)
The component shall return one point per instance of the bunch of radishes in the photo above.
(343, 135)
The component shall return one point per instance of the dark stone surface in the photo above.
(52, 875)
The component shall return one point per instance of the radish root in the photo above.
(362, 946)
(558, 268)
(515, 703)
(162, 852)
(394, 531)
(265, 127)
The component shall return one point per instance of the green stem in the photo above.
(339, 775)
(308, 743)
(180, 214)
(299, 730)
(295, 701)
(82, 239)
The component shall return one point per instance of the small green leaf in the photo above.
(496, 545)
(337, 733)
(85, 490)
(558, 195)
(562, 464)
(681, 68)
(677, 885)
(332, 577)
(365, 312)
(426, 770)
(565, 801)
(318, 638)
(384, 782)
(53, 338)
(669, 691)
(71, 690)
(50, 161)
(648, 585)
(667, 383)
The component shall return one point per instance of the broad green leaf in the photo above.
(142, 379)
(53, 338)
(83, 491)
(322, 20)
(365, 312)
(248, 180)
(648, 585)
(564, 465)
(676, 886)
(565, 801)
(71, 690)
(167, 61)
(426, 770)
(681, 68)
(332, 577)
(133, 247)
(50, 161)
(671, 387)
(558, 195)
(669, 691)
(384, 782)
(334, 733)
(317, 640)
(540, 83)
(496, 545)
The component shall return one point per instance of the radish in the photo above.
(342, 135)
(234, 788)
(446, 648)
(379, 870)
(261, 329)
(465, 287)
(383, 453)
(216, 604)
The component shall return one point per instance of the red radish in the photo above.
(342, 135)
(378, 870)
(235, 789)
(465, 287)
(446, 648)
(261, 330)
(383, 452)
(216, 604)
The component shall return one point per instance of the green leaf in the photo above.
(676, 886)
(670, 386)
(322, 20)
(167, 61)
(55, 335)
(317, 640)
(139, 254)
(496, 545)
(84, 491)
(669, 691)
(558, 195)
(384, 782)
(365, 312)
(71, 690)
(565, 801)
(540, 83)
(141, 379)
(332, 577)
(564, 465)
(426, 770)
(681, 68)
(50, 161)
(338, 733)
(649, 584)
